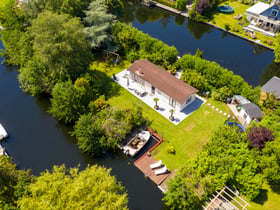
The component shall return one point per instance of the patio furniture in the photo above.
(156, 165)
(162, 170)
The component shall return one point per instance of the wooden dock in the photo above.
(143, 163)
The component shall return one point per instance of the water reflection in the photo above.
(271, 70)
(240, 56)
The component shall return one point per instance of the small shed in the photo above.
(250, 111)
(272, 86)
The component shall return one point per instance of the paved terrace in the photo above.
(131, 86)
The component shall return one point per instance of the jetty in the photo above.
(144, 163)
(151, 3)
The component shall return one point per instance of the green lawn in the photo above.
(267, 200)
(187, 138)
(221, 19)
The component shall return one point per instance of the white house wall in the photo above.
(161, 95)
(242, 112)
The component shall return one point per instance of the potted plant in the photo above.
(171, 117)
(156, 105)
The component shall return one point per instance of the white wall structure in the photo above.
(162, 85)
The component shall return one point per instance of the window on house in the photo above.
(245, 116)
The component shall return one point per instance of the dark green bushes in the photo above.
(210, 76)
(135, 45)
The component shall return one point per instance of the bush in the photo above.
(171, 150)
(270, 42)
(227, 27)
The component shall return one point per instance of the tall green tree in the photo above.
(75, 8)
(60, 52)
(99, 22)
(92, 188)
(13, 183)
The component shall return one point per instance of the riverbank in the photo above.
(186, 15)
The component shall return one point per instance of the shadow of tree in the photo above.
(275, 188)
(105, 85)
(262, 197)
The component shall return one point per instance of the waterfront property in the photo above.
(264, 18)
(174, 96)
(161, 84)
(272, 86)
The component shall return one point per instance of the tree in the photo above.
(181, 5)
(277, 48)
(258, 136)
(156, 101)
(74, 8)
(90, 135)
(13, 183)
(202, 6)
(99, 23)
(60, 52)
(92, 188)
(67, 103)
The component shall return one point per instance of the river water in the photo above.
(37, 141)
(242, 57)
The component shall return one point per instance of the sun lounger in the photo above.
(161, 170)
(156, 165)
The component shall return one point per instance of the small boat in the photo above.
(3, 151)
(3, 133)
(137, 143)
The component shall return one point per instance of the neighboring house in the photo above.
(161, 84)
(250, 112)
(246, 110)
(264, 18)
(272, 86)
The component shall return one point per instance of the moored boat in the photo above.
(3, 133)
(136, 143)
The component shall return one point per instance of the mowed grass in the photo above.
(221, 19)
(187, 138)
(267, 200)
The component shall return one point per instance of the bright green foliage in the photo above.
(99, 23)
(225, 160)
(135, 44)
(181, 5)
(277, 48)
(66, 102)
(60, 52)
(215, 78)
(12, 19)
(92, 188)
(74, 8)
(12, 183)
(98, 105)
(103, 131)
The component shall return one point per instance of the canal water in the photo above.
(242, 57)
(37, 141)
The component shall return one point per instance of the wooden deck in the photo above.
(143, 163)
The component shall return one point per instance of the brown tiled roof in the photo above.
(162, 80)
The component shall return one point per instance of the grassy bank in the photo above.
(223, 20)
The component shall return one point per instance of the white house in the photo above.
(161, 84)
(264, 18)
(247, 111)
(250, 112)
